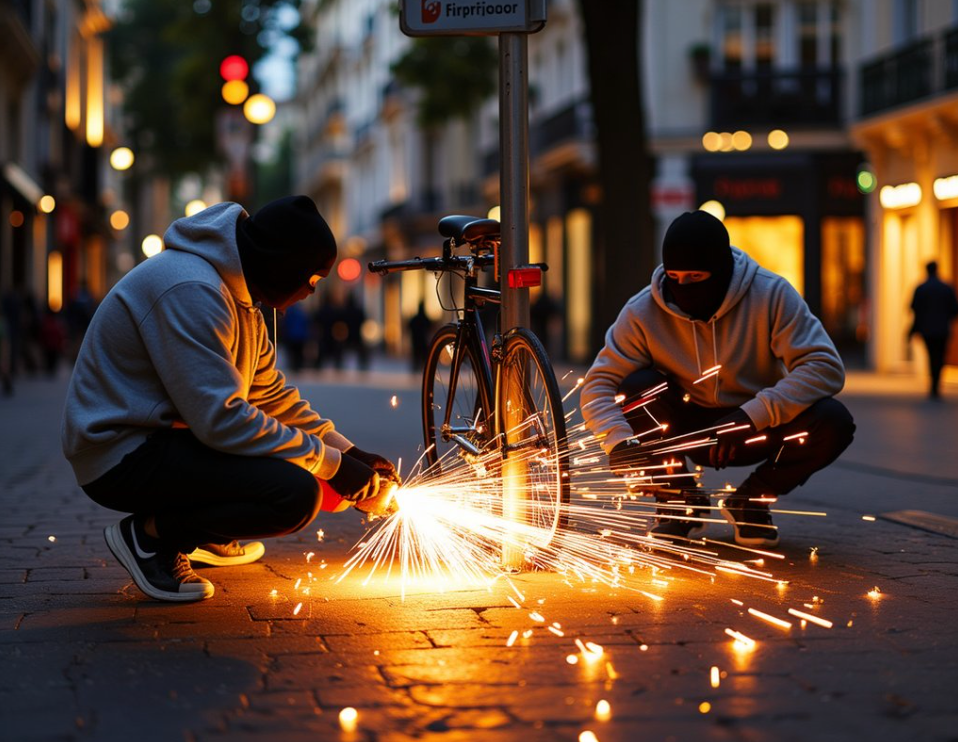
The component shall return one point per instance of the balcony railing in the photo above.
(912, 73)
(775, 98)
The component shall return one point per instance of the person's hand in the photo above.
(381, 506)
(354, 481)
(628, 457)
(379, 464)
(734, 429)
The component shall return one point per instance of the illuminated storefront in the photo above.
(800, 215)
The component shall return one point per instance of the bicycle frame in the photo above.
(470, 331)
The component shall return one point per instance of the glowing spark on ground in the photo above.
(51, 539)
(297, 609)
(868, 517)
(874, 593)
(603, 710)
(741, 641)
(715, 678)
(320, 535)
(572, 659)
(349, 719)
(782, 624)
(394, 401)
(588, 736)
(810, 618)
(512, 638)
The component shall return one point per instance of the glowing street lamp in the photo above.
(121, 158)
(259, 109)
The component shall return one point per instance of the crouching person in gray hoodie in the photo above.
(720, 345)
(177, 414)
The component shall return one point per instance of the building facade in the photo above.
(763, 112)
(907, 123)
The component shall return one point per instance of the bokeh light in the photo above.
(234, 92)
(195, 206)
(119, 220)
(47, 204)
(234, 67)
(152, 245)
(777, 139)
(259, 109)
(121, 158)
(349, 269)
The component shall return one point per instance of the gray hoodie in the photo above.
(178, 342)
(776, 358)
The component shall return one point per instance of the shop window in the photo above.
(775, 242)
(843, 281)
(579, 234)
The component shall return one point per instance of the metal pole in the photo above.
(514, 171)
(514, 205)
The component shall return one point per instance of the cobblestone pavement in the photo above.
(85, 656)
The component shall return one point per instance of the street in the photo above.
(282, 647)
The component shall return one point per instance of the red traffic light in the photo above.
(234, 67)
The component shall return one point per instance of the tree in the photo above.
(166, 55)
(626, 258)
(453, 75)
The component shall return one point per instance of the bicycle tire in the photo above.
(472, 405)
(535, 431)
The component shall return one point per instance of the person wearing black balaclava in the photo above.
(177, 414)
(720, 348)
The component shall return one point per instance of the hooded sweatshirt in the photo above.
(178, 341)
(776, 358)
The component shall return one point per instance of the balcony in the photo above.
(775, 98)
(920, 70)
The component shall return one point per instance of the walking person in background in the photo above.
(711, 308)
(420, 327)
(177, 414)
(935, 306)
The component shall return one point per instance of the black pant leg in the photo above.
(936, 346)
(788, 464)
(200, 495)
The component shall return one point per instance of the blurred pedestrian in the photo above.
(935, 306)
(79, 312)
(736, 350)
(6, 375)
(355, 316)
(420, 329)
(331, 332)
(295, 335)
(53, 340)
(177, 414)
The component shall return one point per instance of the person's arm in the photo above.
(188, 334)
(270, 393)
(625, 351)
(814, 370)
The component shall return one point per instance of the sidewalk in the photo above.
(87, 657)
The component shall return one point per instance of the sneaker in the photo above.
(161, 574)
(751, 521)
(670, 525)
(226, 555)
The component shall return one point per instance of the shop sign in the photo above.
(470, 17)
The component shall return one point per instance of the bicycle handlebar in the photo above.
(434, 265)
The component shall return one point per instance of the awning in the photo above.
(23, 183)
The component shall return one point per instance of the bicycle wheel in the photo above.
(531, 422)
(471, 409)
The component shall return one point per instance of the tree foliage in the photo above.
(454, 75)
(165, 54)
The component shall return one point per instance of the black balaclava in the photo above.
(281, 246)
(697, 241)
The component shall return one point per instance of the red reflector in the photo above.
(523, 278)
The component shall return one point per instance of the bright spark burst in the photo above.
(451, 528)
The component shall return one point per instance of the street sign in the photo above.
(471, 17)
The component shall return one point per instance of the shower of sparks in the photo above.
(874, 593)
(450, 529)
(810, 618)
(715, 677)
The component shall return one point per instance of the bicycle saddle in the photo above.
(467, 228)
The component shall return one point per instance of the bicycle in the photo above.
(502, 399)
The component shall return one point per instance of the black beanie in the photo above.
(697, 241)
(282, 245)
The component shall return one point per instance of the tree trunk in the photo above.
(624, 250)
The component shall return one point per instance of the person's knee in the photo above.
(300, 502)
(835, 424)
(640, 381)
